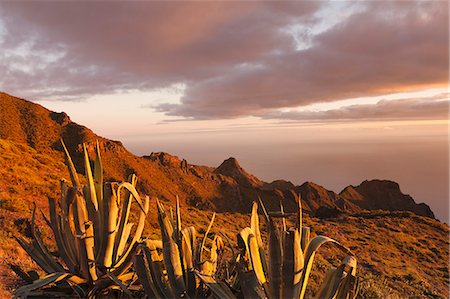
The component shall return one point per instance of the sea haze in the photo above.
(414, 154)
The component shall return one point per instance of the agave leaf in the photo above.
(85, 233)
(90, 180)
(118, 282)
(305, 237)
(125, 260)
(275, 263)
(191, 236)
(249, 285)
(254, 225)
(156, 267)
(219, 289)
(41, 246)
(288, 265)
(298, 258)
(120, 239)
(172, 262)
(63, 198)
(46, 219)
(90, 198)
(178, 221)
(178, 239)
(339, 282)
(124, 238)
(299, 223)
(143, 273)
(266, 215)
(22, 274)
(156, 243)
(72, 234)
(110, 215)
(71, 167)
(171, 254)
(133, 192)
(348, 285)
(205, 236)
(313, 246)
(330, 281)
(98, 174)
(282, 213)
(188, 262)
(247, 237)
(275, 256)
(35, 254)
(98, 183)
(164, 223)
(23, 292)
(68, 240)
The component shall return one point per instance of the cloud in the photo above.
(431, 108)
(387, 48)
(136, 45)
(235, 58)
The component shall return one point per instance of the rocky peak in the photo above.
(164, 158)
(230, 167)
(280, 185)
(384, 195)
(316, 196)
(350, 192)
(61, 118)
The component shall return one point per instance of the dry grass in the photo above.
(400, 254)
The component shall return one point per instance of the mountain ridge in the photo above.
(399, 253)
(228, 187)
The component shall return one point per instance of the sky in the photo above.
(332, 92)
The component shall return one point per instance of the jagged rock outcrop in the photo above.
(230, 167)
(280, 185)
(315, 196)
(384, 195)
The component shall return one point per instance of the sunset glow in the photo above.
(330, 92)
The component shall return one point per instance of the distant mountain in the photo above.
(384, 195)
(229, 187)
(316, 196)
(230, 167)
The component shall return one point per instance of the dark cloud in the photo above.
(389, 47)
(138, 45)
(421, 108)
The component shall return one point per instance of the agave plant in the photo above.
(291, 255)
(94, 238)
(168, 269)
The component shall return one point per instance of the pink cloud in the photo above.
(236, 58)
(386, 48)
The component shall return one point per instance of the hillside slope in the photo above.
(400, 254)
(226, 188)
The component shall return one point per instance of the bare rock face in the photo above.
(316, 196)
(164, 158)
(230, 167)
(280, 185)
(384, 195)
(61, 118)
